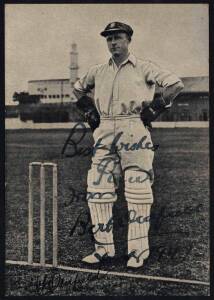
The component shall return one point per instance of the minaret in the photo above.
(73, 63)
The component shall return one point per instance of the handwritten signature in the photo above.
(48, 283)
(75, 149)
(82, 224)
(108, 166)
(177, 253)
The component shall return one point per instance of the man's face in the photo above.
(118, 43)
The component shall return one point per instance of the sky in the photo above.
(38, 38)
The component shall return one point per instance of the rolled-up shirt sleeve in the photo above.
(85, 84)
(162, 77)
(170, 83)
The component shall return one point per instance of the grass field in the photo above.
(179, 234)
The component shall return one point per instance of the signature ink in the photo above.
(116, 144)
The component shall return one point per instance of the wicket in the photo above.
(55, 236)
(42, 213)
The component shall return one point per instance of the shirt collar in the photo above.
(131, 58)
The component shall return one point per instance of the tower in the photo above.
(73, 63)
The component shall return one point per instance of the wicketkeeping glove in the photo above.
(151, 110)
(92, 116)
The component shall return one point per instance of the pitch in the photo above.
(179, 234)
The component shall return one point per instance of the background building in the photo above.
(192, 104)
(51, 100)
(51, 90)
(57, 90)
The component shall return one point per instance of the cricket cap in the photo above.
(117, 27)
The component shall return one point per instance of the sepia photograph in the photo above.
(107, 149)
